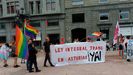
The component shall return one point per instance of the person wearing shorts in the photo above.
(13, 47)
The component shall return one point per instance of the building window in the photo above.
(12, 9)
(2, 26)
(123, 0)
(13, 24)
(104, 16)
(12, 6)
(77, 18)
(77, 2)
(105, 32)
(1, 10)
(38, 7)
(3, 39)
(54, 38)
(50, 4)
(35, 24)
(31, 7)
(124, 14)
(53, 23)
(103, 1)
(53, 4)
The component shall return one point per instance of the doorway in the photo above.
(79, 33)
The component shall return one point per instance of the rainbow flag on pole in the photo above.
(21, 44)
(29, 30)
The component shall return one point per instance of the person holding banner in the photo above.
(46, 47)
(99, 39)
(76, 40)
(88, 40)
(125, 43)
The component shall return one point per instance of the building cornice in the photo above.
(32, 16)
(101, 5)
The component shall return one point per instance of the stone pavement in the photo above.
(114, 65)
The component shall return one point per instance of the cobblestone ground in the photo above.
(114, 65)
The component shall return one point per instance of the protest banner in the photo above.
(130, 49)
(78, 53)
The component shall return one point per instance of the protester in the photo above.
(4, 53)
(46, 47)
(0, 45)
(89, 40)
(114, 46)
(13, 47)
(121, 45)
(76, 40)
(100, 38)
(32, 57)
(108, 45)
(62, 41)
(125, 43)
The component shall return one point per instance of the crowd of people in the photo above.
(6, 49)
(123, 45)
(9, 49)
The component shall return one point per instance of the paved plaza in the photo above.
(114, 65)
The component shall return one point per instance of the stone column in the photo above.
(8, 32)
(34, 7)
(62, 28)
(43, 30)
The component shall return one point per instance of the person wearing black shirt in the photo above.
(46, 46)
(32, 59)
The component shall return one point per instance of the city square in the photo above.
(76, 37)
(114, 65)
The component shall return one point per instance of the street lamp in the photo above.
(20, 17)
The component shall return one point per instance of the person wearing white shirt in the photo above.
(4, 53)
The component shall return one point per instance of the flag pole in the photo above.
(118, 42)
(24, 25)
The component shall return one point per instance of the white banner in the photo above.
(130, 49)
(78, 53)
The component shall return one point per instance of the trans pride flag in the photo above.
(29, 30)
(21, 44)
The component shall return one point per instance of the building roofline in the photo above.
(107, 4)
(27, 15)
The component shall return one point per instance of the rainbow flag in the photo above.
(21, 44)
(95, 35)
(30, 31)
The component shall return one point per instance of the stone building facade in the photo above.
(98, 15)
(67, 19)
(46, 15)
